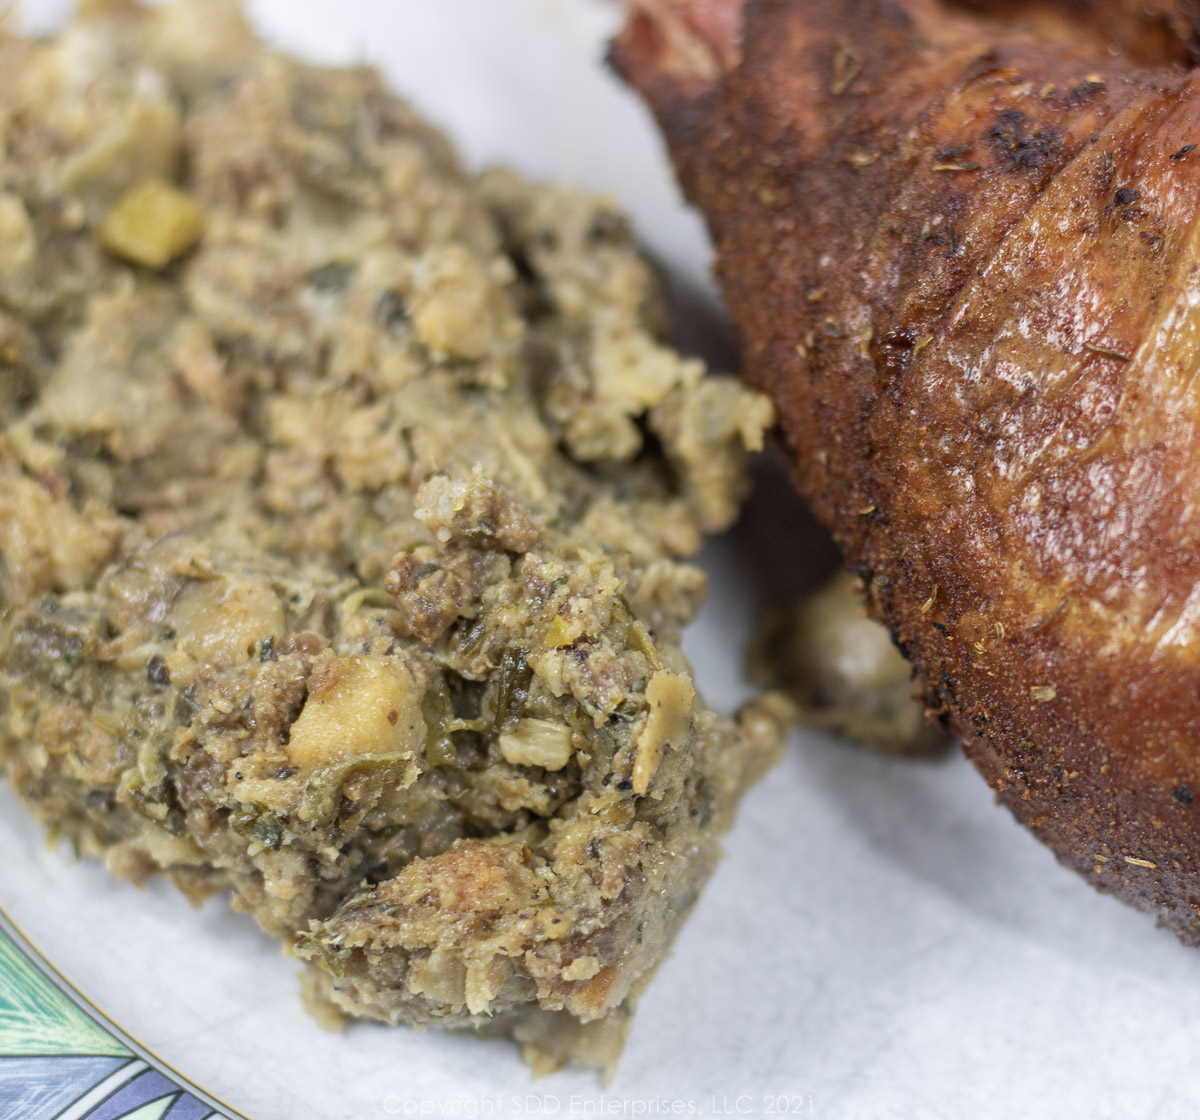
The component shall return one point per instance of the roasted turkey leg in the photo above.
(961, 248)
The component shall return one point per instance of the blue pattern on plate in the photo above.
(148, 1086)
(61, 1059)
(41, 1088)
(188, 1108)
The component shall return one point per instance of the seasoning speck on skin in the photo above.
(1106, 352)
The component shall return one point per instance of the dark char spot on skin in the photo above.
(1020, 145)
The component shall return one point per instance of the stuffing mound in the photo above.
(345, 507)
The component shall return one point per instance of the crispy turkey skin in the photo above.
(961, 248)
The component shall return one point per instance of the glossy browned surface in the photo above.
(1152, 32)
(964, 258)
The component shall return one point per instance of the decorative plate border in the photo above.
(61, 1058)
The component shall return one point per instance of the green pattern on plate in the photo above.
(60, 1059)
(37, 1018)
